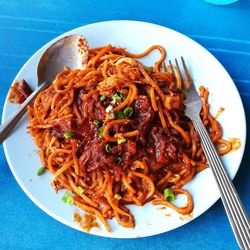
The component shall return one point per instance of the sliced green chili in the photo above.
(119, 115)
(119, 159)
(107, 148)
(40, 171)
(79, 190)
(102, 98)
(169, 194)
(121, 140)
(100, 131)
(97, 122)
(117, 196)
(128, 111)
(68, 134)
(68, 198)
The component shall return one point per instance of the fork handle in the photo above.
(9, 125)
(232, 203)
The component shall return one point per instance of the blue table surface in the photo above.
(27, 25)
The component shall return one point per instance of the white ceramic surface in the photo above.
(136, 37)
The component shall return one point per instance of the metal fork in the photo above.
(235, 211)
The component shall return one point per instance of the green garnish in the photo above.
(169, 194)
(128, 111)
(68, 198)
(100, 131)
(121, 140)
(119, 159)
(148, 69)
(119, 96)
(40, 171)
(109, 108)
(119, 115)
(79, 190)
(68, 134)
(117, 196)
(97, 122)
(107, 148)
(102, 98)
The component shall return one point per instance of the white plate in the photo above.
(136, 37)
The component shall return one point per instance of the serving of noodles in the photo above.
(115, 134)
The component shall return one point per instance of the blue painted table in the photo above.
(27, 25)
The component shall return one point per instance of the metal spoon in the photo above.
(70, 51)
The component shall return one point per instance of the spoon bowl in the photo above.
(70, 51)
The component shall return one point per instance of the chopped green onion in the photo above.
(122, 96)
(117, 196)
(68, 134)
(119, 159)
(169, 194)
(100, 131)
(79, 190)
(113, 101)
(119, 115)
(119, 96)
(128, 111)
(40, 171)
(109, 108)
(102, 98)
(107, 148)
(96, 122)
(148, 69)
(121, 140)
(68, 198)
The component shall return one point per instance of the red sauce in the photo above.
(152, 146)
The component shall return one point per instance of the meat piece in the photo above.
(130, 147)
(78, 96)
(83, 128)
(19, 92)
(104, 207)
(94, 156)
(161, 148)
(96, 110)
(129, 151)
(160, 145)
(143, 113)
(117, 149)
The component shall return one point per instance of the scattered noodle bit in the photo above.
(221, 109)
(168, 215)
(187, 217)
(236, 143)
(87, 221)
(162, 208)
(19, 92)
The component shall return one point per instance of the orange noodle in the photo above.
(115, 134)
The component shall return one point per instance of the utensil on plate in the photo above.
(232, 203)
(70, 51)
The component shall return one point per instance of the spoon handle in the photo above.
(7, 127)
